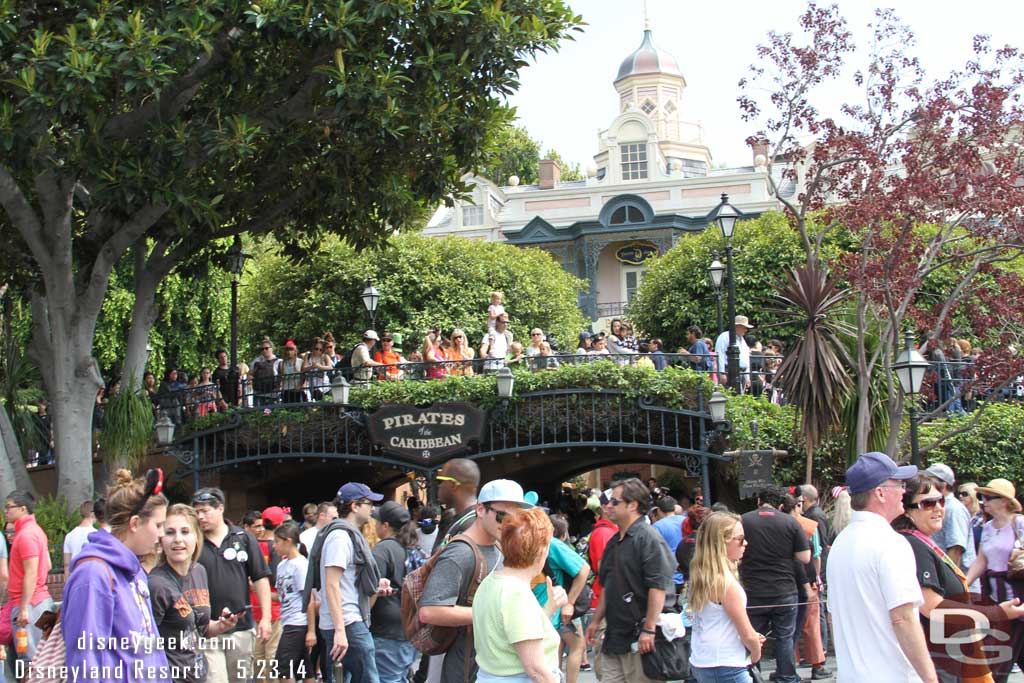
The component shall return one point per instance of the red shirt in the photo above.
(272, 561)
(599, 537)
(29, 541)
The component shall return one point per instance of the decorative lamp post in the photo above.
(236, 264)
(371, 297)
(716, 271)
(505, 383)
(726, 216)
(910, 368)
(339, 389)
(164, 430)
(716, 405)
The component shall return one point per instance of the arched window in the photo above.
(625, 214)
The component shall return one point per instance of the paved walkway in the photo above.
(805, 673)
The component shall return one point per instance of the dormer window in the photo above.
(634, 161)
(472, 215)
(626, 214)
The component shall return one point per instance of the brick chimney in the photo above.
(550, 173)
(759, 147)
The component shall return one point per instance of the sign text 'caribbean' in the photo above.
(442, 430)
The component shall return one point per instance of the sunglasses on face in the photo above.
(928, 503)
(498, 514)
(741, 538)
(964, 494)
(266, 348)
(615, 501)
(982, 498)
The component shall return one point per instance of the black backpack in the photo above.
(346, 359)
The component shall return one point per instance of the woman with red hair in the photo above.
(514, 637)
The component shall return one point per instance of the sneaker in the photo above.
(585, 666)
(820, 672)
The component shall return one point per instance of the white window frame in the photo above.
(641, 272)
(472, 215)
(633, 160)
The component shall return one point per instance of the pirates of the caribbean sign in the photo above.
(442, 430)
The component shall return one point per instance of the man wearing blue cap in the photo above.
(342, 563)
(872, 577)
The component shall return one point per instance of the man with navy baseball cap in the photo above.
(342, 568)
(872, 577)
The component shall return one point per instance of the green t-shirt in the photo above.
(505, 613)
(565, 564)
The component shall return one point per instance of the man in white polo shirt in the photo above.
(872, 579)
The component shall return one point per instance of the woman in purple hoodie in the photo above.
(107, 621)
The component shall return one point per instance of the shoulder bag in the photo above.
(670, 659)
(1015, 565)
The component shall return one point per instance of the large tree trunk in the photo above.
(62, 347)
(13, 474)
(144, 315)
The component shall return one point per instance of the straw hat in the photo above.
(1003, 489)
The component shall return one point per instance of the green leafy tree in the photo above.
(570, 172)
(155, 128)
(676, 292)
(424, 283)
(511, 152)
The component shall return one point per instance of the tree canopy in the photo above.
(156, 127)
(676, 292)
(424, 282)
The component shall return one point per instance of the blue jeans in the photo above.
(778, 623)
(721, 674)
(394, 659)
(360, 661)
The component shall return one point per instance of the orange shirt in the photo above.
(389, 358)
(459, 369)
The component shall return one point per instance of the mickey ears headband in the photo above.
(154, 485)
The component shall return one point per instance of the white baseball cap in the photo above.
(503, 491)
(370, 334)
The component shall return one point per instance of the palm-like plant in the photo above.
(814, 374)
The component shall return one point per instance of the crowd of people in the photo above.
(491, 586)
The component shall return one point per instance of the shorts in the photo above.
(293, 657)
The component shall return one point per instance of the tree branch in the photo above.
(24, 218)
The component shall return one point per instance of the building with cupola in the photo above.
(652, 180)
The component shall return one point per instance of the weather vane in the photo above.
(647, 19)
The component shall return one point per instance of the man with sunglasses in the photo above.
(445, 600)
(456, 491)
(636, 572)
(872, 577)
(955, 537)
(232, 558)
(27, 595)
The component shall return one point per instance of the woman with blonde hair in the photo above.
(841, 511)
(180, 596)
(460, 350)
(434, 356)
(106, 597)
(722, 633)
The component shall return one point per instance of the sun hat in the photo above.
(742, 320)
(503, 491)
(872, 469)
(1001, 488)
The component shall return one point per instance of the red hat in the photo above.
(290, 345)
(274, 515)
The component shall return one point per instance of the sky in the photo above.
(567, 97)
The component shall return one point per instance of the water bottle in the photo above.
(21, 640)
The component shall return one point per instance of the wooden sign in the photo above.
(440, 431)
